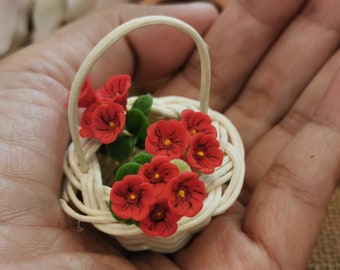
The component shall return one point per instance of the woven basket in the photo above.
(86, 198)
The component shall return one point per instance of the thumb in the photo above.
(153, 52)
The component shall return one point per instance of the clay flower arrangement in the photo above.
(158, 181)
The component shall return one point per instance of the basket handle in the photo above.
(107, 42)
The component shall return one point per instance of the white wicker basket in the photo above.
(82, 168)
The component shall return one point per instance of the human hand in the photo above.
(276, 75)
(273, 227)
(34, 83)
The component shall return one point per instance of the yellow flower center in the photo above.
(200, 153)
(132, 196)
(167, 142)
(181, 193)
(112, 124)
(193, 132)
(156, 176)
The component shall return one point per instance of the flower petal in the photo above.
(186, 194)
(160, 221)
(204, 153)
(115, 90)
(87, 95)
(159, 172)
(167, 138)
(108, 121)
(132, 197)
(197, 122)
(86, 121)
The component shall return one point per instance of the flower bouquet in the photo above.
(149, 171)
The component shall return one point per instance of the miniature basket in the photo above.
(82, 168)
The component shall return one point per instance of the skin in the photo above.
(275, 75)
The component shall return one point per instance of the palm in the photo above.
(278, 216)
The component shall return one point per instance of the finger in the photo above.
(222, 245)
(286, 210)
(237, 42)
(300, 114)
(152, 260)
(286, 70)
(61, 54)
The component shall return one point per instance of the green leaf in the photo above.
(181, 165)
(136, 122)
(143, 103)
(140, 143)
(121, 149)
(142, 158)
(127, 169)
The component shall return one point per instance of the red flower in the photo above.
(159, 172)
(197, 122)
(107, 122)
(86, 121)
(186, 194)
(160, 221)
(132, 198)
(204, 153)
(87, 94)
(115, 90)
(167, 138)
